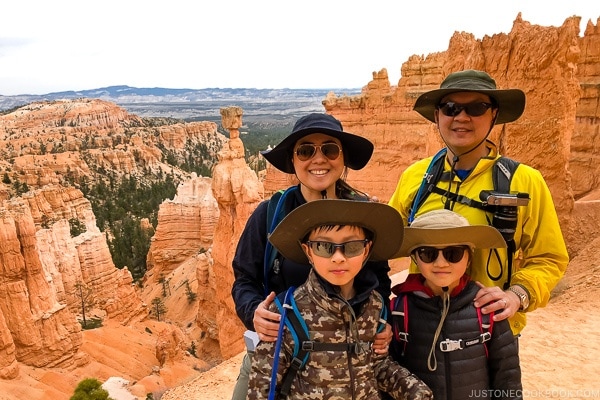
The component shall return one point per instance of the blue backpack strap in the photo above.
(430, 178)
(276, 211)
(283, 310)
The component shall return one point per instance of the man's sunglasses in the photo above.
(476, 109)
(352, 248)
(452, 254)
(306, 151)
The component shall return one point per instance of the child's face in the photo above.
(442, 268)
(346, 261)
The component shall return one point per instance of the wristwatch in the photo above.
(523, 295)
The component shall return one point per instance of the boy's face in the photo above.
(443, 266)
(343, 265)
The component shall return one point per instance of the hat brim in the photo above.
(381, 219)
(475, 236)
(356, 150)
(511, 102)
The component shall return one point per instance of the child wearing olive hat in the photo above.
(438, 332)
(339, 305)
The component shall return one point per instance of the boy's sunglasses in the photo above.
(452, 254)
(452, 109)
(306, 151)
(352, 248)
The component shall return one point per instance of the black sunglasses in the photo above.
(476, 109)
(306, 151)
(352, 248)
(452, 254)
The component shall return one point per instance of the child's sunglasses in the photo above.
(452, 109)
(352, 248)
(306, 151)
(452, 254)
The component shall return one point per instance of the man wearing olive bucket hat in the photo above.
(463, 177)
(440, 335)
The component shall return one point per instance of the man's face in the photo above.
(462, 132)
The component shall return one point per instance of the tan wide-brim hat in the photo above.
(443, 228)
(356, 150)
(510, 102)
(381, 219)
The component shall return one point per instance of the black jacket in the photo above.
(460, 374)
(248, 265)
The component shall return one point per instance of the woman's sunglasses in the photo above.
(452, 254)
(352, 248)
(306, 151)
(452, 109)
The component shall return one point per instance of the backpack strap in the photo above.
(430, 178)
(283, 310)
(279, 206)
(399, 307)
(503, 173)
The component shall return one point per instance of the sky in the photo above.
(51, 46)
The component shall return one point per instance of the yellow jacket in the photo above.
(541, 257)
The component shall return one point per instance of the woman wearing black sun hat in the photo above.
(319, 152)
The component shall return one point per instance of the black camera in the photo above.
(504, 209)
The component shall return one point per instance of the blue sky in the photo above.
(48, 46)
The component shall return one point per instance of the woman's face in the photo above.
(318, 172)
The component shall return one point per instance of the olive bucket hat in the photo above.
(356, 150)
(382, 220)
(510, 102)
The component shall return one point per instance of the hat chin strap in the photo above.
(456, 157)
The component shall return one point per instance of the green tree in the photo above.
(84, 294)
(158, 307)
(90, 389)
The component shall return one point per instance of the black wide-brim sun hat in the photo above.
(510, 102)
(356, 150)
(381, 219)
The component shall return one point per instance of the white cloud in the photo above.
(72, 45)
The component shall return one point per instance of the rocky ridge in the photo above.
(557, 136)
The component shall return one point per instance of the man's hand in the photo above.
(266, 323)
(491, 299)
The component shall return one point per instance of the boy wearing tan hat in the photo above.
(339, 305)
(439, 333)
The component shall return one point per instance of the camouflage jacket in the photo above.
(335, 374)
